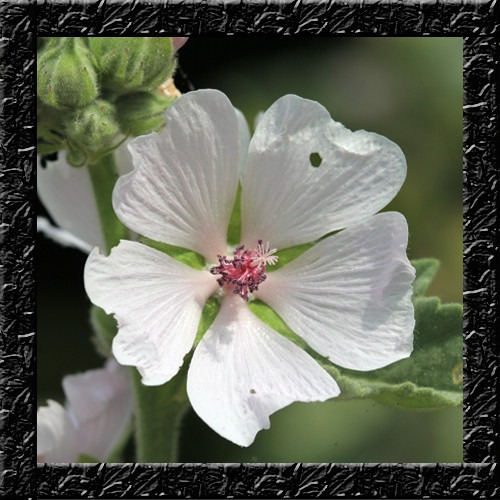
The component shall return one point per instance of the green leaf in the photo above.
(430, 378)
(425, 269)
(234, 227)
(184, 255)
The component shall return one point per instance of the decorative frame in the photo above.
(21, 23)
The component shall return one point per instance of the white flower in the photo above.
(98, 410)
(348, 297)
(67, 194)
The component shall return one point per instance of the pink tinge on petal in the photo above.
(179, 41)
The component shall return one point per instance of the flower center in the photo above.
(246, 270)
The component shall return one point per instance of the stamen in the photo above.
(246, 270)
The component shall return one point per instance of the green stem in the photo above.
(158, 410)
(103, 176)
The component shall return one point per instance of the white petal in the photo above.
(66, 192)
(185, 179)
(123, 159)
(244, 140)
(287, 201)
(89, 393)
(55, 440)
(157, 301)
(100, 404)
(99, 408)
(243, 371)
(349, 296)
(61, 236)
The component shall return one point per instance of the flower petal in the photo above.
(349, 296)
(55, 439)
(157, 302)
(244, 131)
(100, 406)
(287, 201)
(185, 179)
(61, 236)
(66, 192)
(89, 393)
(243, 371)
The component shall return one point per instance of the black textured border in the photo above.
(475, 22)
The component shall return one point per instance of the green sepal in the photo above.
(133, 63)
(45, 148)
(188, 257)
(234, 227)
(270, 317)
(208, 315)
(142, 112)
(105, 328)
(93, 129)
(66, 76)
(288, 254)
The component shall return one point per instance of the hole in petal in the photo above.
(252, 391)
(315, 160)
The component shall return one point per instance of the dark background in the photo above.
(408, 89)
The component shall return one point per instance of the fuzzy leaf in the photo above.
(426, 270)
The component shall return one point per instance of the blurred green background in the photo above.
(407, 89)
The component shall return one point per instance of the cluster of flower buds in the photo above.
(94, 92)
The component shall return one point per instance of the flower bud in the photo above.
(142, 112)
(75, 156)
(92, 129)
(133, 63)
(66, 76)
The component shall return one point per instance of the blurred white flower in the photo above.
(98, 410)
(348, 297)
(67, 194)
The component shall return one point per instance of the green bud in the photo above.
(94, 128)
(133, 63)
(141, 113)
(76, 157)
(66, 76)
